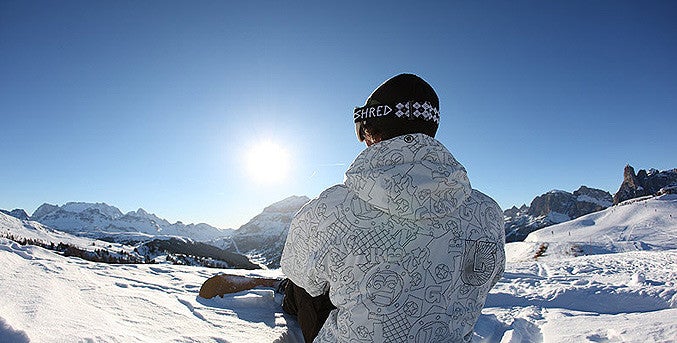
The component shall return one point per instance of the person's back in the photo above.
(406, 248)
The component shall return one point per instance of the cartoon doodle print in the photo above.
(431, 329)
(383, 286)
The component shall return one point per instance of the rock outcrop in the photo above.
(644, 183)
(17, 213)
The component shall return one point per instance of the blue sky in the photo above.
(158, 104)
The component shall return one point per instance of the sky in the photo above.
(209, 111)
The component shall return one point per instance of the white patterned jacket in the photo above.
(407, 249)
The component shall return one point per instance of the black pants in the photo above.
(311, 312)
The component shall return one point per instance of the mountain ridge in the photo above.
(173, 250)
(553, 207)
(559, 206)
(103, 220)
(644, 183)
(263, 237)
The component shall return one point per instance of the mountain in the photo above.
(554, 207)
(186, 252)
(33, 233)
(644, 183)
(16, 213)
(175, 250)
(100, 220)
(263, 237)
(560, 206)
(647, 223)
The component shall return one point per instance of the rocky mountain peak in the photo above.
(263, 237)
(643, 183)
(629, 174)
(592, 192)
(101, 209)
(553, 201)
(553, 207)
(290, 204)
(17, 213)
(44, 210)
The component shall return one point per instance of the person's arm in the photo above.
(299, 257)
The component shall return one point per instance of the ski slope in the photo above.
(648, 223)
(607, 277)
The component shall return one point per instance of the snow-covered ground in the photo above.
(48, 298)
(610, 276)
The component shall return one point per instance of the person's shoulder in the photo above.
(333, 195)
(483, 198)
(334, 191)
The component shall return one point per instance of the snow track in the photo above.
(635, 293)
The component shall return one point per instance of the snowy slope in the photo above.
(169, 249)
(648, 223)
(49, 298)
(609, 276)
(36, 231)
(624, 290)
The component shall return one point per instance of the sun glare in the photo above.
(268, 162)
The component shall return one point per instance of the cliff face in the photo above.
(552, 208)
(643, 183)
(583, 201)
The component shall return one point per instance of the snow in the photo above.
(37, 231)
(55, 299)
(79, 207)
(556, 217)
(600, 202)
(610, 276)
(102, 220)
(646, 223)
(557, 191)
(574, 299)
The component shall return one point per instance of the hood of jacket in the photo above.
(411, 176)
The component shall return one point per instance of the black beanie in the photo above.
(404, 95)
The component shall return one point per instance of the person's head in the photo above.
(404, 104)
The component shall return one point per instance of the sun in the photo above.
(267, 162)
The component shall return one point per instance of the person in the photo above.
(404, 250)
